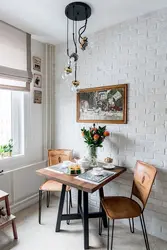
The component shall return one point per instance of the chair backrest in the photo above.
(144, 177)
(56, 156)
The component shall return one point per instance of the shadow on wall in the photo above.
(119, 144)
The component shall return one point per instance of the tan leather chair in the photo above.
(118, 207)
(55, 156)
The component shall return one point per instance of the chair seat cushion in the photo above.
(52, 185)
(117, 207)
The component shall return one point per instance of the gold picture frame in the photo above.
(107, 104)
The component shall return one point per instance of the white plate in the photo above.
(66, 163)
(109, 166)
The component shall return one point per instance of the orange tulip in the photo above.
(82, 133)
(106, 133)
(96, 137)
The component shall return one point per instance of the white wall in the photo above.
(134, 52)
(19, 178)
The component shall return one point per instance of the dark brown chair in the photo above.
(55, 156)
(118, 207)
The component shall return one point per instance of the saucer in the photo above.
(109, 166)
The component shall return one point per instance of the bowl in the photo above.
(97, 171)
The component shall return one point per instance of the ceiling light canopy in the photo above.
(76, 11)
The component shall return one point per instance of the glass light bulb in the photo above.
(75, 86)
(74, 89)
(89, 50)
(64, 75)
(87, 46)
(72, 62)
(67, 72)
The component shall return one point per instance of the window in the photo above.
(15, 78)
(12, 119)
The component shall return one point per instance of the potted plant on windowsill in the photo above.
(1, 151)
(10, 147)
(6, 150)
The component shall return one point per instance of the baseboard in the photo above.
(24, 203)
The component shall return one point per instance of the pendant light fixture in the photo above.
(76, 12)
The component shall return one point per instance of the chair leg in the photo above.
(112, 235)
(14, 230)
(108, 236)
(143, 225)
(48, 198)
(67, 207)
(131, 225)
(40, 205)
(100, 222)
(70, 198)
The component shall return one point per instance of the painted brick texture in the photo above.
(133, 52)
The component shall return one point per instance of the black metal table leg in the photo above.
(79, 200)
(70, 198)
(85, 220)
(40, 204)
(48, 198)
(60, 211)
(104, 218)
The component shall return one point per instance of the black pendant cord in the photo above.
(84, 28)
(75, 44)
(67, 37)
(75, 71)
(76, 50)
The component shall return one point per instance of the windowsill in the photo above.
(10, 157)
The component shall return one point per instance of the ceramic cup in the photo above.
(97, 171)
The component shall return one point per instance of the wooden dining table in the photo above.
(83, 188)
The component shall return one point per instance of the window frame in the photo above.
(17, 122)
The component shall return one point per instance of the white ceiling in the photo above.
(45, 19)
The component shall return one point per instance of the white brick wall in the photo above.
(133, 52)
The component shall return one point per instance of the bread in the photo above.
(108, 160)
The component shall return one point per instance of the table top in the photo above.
(78, 183)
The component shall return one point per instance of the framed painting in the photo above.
(103, 104)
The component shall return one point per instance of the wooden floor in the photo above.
(33, 236)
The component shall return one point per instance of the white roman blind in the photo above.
(15, 58)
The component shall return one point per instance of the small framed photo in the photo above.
(37, 96)
(37, 63)
(37, 81)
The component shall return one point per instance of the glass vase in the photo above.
(93, 156)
